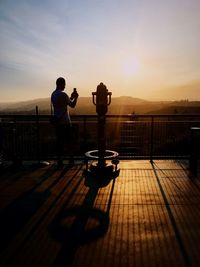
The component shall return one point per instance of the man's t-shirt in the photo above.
(60, 101)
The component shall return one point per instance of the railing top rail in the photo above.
(130, 116)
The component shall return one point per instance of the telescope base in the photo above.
(101, 176)
(100, 170)
(107, 170)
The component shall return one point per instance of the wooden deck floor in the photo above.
(148, 216)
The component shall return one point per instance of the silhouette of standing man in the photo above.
(60, 101)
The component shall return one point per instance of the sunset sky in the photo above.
(143, 48)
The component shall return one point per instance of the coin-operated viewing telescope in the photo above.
(102, 99)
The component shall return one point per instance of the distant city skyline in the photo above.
(144, 49)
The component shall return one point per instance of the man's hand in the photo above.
(74, 95)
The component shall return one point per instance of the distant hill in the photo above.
(119, 105)
(84, 105)
(177, 110)
(28, 105)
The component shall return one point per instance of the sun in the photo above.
(130, 66)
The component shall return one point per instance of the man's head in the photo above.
(60, 83)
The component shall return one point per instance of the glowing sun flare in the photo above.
(130, 66)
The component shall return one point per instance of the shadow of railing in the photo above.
(15, 215)
(172, 218)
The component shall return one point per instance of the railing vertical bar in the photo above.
(37, 134)
(151, 138)
(14, 133)
(85, 134)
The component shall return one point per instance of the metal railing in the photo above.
(32, 137)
